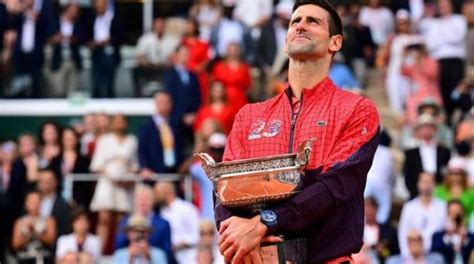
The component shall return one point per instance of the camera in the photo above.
(458, 220)
(140, 237)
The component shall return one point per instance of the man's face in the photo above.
(445, 7)
(308, 33)
(455, 210)
(100, 6)
(81, 225)
(143, 202)
(47, 182)
(159, 26)
(426, 184)
(26, 146)
(163, 104)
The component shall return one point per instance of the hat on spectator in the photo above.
(283, 9)
(457, 165)
(402, 14)
(428, 102)
(138, 223)
(426, 120)
(217, 140)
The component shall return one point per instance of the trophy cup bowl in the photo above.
(257, 182)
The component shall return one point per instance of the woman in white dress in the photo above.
(115, 156)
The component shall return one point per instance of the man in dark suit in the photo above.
(105, 38)
(3, 27)
(52, 204)
(183, 85)
(66, 60)
(429, 156)
(159, 139)
(33, 30)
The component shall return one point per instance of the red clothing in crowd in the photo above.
(225, 116)
(237, 81)
(329, 209)
(198, 54)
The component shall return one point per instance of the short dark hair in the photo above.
(334, 21)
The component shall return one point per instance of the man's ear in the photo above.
(335, 43)
(285, 49)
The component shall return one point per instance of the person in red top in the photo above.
(216, 108)
(235, 75)
(198, 55)
(324, 222)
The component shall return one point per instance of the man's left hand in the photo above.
(239, 236)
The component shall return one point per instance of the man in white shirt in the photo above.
(154, 49)
(184, 220)
(425, 213)
(445, 38)
(379, 19)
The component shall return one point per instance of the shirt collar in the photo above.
(325, 86)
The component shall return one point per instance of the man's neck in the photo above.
(425, 199)
(306, 74)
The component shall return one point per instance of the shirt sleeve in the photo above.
(342, 176)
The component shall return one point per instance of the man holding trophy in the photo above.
(323, 221)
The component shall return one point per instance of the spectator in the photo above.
(207, 13)
(114, 158)
(416, 251)
(3, 27)
(49, 143)
(33, 235)
(217, 107)
(66, 60)
(71, 161)
(456, 187)
(199, 55)
(463, 95)
(227, 31)
(88, 137)
(208, 248)
(381, 178)
(465, 130)
(139, 250)
(342, 75)
(52, 204)
(24, 173)
(422, 71)
(80, 240)
(183, 86)
(160, 234)
(184, 220)
(464, 160)
(208, 127)
(234, 73)
(424, 213)
(253, 14)
(380, 238)
(159, 139)
(32, 29)
(102, 121)
(390, 57)
(154, 50)
(358, 48)
(468, 12)
(104, 40)
(379, 19)
(429, 156)
(445, 38)
(455, 243)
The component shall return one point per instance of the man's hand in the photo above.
(239, 236)
(146, 173)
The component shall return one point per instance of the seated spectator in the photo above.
(159, 139)
(160, 234)
(24, 173)
(52, 204)
(207, 13)
(379, 19)
(381, 178)
(33, 235)
(153, 56)
(234, 73)
(208, 248)
(425, 213)
(416, 251)
(342, 75)
(217, 108)
(139, 250)
(49, 143)
(463, 95)
(464, 159)
(184, 220)
(429, 156)
(380, 238)
(455, 243)
(114, 158)
(70, 160)
(455, 187)
(208, 127)
(80, 241)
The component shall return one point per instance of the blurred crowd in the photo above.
(420, 190)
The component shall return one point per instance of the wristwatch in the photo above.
(269, 218)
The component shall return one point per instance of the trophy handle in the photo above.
(304, 153)
(207, 161)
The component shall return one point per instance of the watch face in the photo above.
(269, 216)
